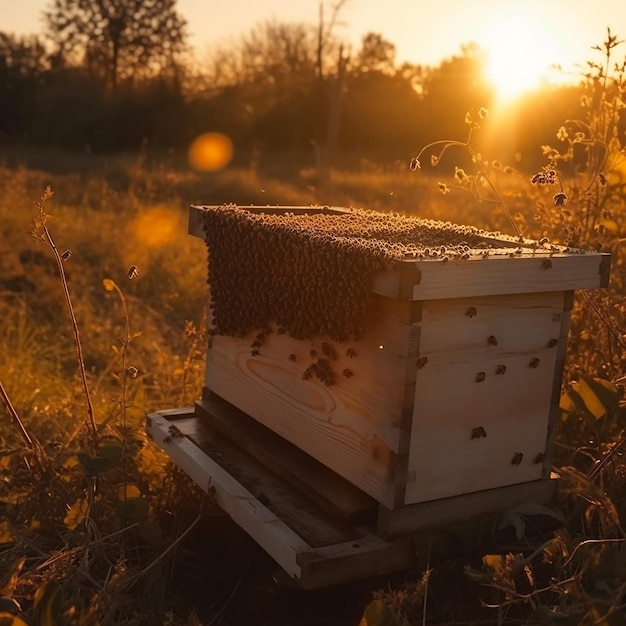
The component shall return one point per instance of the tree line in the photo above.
(113, 75)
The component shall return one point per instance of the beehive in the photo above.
(421, 361)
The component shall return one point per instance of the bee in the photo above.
(313, 354)
(534, 363)
(471, 312)
(517, 458)
(546, 264)
(540, 457)
(421, 362)
(492, 341)
(348, 373)
(500, 370)
(174, 433)
(553, 343)
(350, 353)
(254, 353)
(133, 272)
(478, 433)
(328, 351)
(480, 377)
(292, 357)
(66, 255)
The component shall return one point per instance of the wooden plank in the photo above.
(354, 427)
(329, 491)
(271, 533)
(427, 515)
(557, 383)
(339, 556)
(501, 274)
(344, 562)
(469, 422)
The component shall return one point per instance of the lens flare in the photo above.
(156, 227)
(210, 152)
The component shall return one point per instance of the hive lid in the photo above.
(490, 264)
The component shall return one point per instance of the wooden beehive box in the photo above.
(452, 387)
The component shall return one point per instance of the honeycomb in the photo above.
(311, 273)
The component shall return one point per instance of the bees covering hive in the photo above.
(397, 351)
(311, 273)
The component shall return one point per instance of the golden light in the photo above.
(521, 53)
(156, 227)
(210, 152)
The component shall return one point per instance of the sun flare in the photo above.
(521, 55)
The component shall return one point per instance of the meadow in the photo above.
(97, 527)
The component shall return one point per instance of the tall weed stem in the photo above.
(49, 241)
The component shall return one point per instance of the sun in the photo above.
(521, 54)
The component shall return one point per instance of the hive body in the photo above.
(451, 384)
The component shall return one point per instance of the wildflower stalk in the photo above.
(445, 144)
(110, 285)
(48, 240)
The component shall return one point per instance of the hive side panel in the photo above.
(483, 398)
(354, 426)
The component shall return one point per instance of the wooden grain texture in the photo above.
(459, 391)
(353, 427)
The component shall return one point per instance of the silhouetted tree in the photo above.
(23, 60)
(376, 54)
(118, 38)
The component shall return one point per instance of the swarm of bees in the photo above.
(311, 273)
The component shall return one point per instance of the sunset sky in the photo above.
(523, 37)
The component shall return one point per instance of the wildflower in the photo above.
(434, 159)
(415, 164)
(108, 284)
(560, 199)
(459, 174)
(561, 134)
(443, 188)
(483, 113)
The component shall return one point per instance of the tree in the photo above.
(376, 54)
(118, 38)
(23, 61)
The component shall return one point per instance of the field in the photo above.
(96, 527)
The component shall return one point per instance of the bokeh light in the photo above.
(210, 152)
(156, 227)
